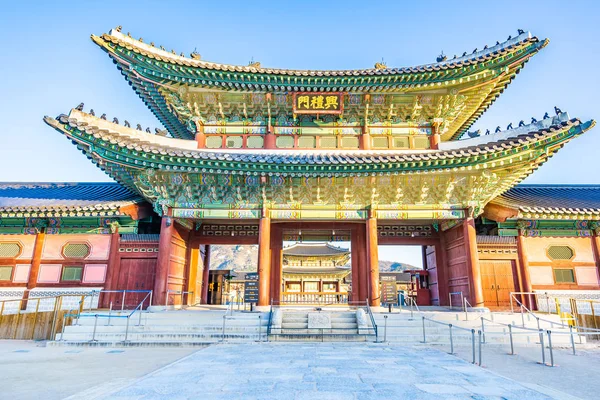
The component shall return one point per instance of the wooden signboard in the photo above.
(251, 288)
(389, 291)
(318, 103)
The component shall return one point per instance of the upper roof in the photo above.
(314, 249)
(165, 80)
(75, 199)
(577, 200)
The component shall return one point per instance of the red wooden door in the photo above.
(135, 274)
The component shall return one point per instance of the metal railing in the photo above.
(176, 293)
(96, 316)
(450, 295)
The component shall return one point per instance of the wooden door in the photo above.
(488, 283)
(433, 278)
(505, 281)
(135, 274)
(497, 281)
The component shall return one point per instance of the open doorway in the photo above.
(230, 267)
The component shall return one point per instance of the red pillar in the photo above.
(276, 263)
(373, 261)
(205, 274)
(192, 274)
(442, 270)
(167, 229)
(112, 270)
(34, 270)
(470, 240)
(596, 249)
(524, 270)
(264, 262)
(355, 245)
(363, 260)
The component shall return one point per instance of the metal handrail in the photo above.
(455, 294)
(370, 313)
(181, 292)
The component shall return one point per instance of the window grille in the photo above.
(285, 142)
(350, 142)
(328, 142)
(560, 253)
(214, 142)
(564, 276)
(307, 142)
(401, 143)
(380, 142)
(421, 142)
(76, 250)
(234, 142)
(72, 273)
(9, 250)
(254, 142)
(5, 273)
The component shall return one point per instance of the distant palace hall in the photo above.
(258, 155)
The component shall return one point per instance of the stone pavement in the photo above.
(323, 371)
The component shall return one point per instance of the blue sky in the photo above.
(50, 65)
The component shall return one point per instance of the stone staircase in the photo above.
(342, 326)
(167, 328)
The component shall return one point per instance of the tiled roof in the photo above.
(488, 52)
(263, 161)
(90, 199)
(502, 240)
(314, 249)
(576, 199)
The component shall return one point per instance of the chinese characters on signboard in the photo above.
(318, 103)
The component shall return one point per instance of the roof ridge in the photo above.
(521, 38)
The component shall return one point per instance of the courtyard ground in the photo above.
(312, 371)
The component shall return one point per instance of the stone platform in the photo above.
(323, 371)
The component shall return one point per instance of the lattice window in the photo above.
(560, 253)
(421, 142)
(401, 142)
(350, 142)
(255, 142)
(564, 276)
(72, 273)
(234, 142)
(307, 142)
(285, 142)
(214, 142)
(5, 273)
(76, 250)
(9, 250)
(328, 142)
(380, 142)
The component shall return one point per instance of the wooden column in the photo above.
(365, 139)
(167, 229)
(264, 262)
(596, 249)
(363, 264)
(192, 276)
(355, 263)
(112, 270)
(205, 274)
(373, 261)
(276, 263)
(442, 270)
(470, 239)
(524, 270)
(34, 270)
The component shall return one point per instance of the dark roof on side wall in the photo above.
(552, 196)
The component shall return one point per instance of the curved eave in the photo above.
(147, 68)
(489, 53)
(122, 152)
(98, 210)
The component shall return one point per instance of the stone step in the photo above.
(167, 336)
(322, 338)
(151, 329)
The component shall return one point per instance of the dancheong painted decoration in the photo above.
(252, 155)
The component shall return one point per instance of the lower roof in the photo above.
(98, 198)
(533, 200)
(84, 198)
